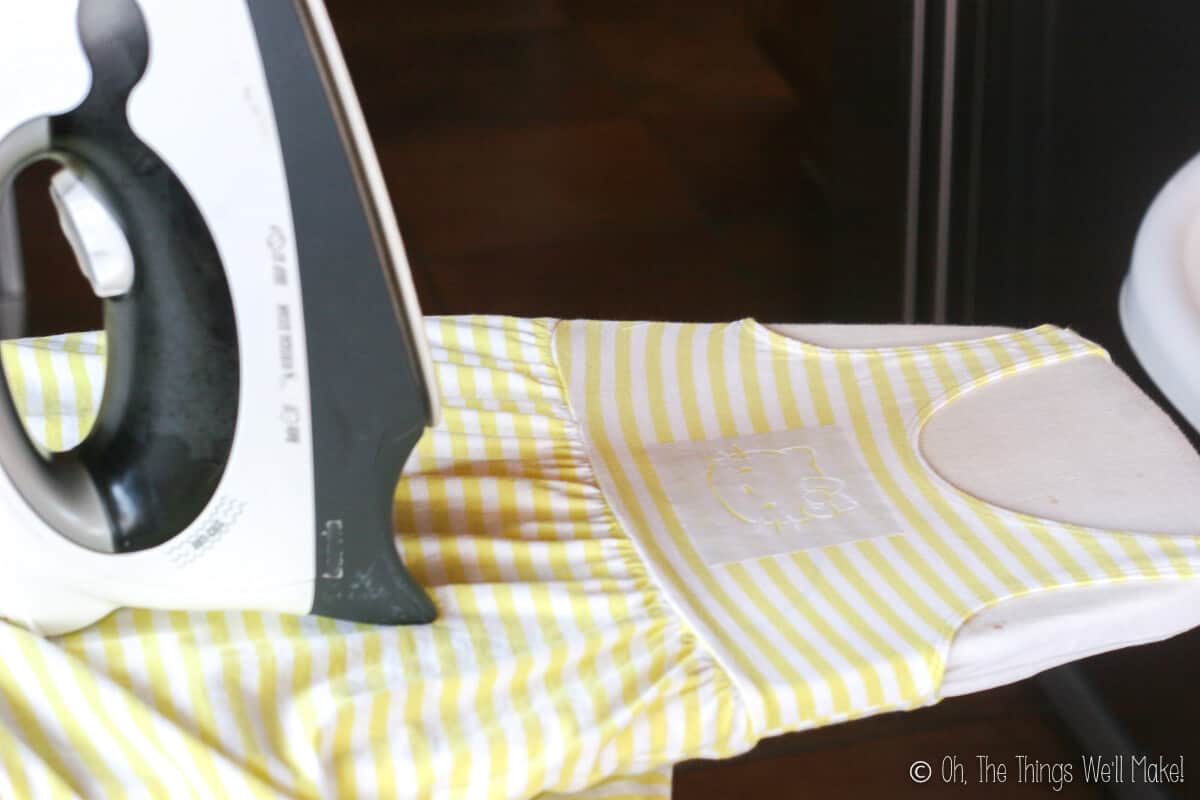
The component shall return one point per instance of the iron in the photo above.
(266, 375)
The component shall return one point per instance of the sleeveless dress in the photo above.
(647, 542)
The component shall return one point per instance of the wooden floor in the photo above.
(634, 160)
(588, 158)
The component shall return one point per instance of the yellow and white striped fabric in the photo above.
(583, 646)
(822, 634)
(555, 669)
(56, 384)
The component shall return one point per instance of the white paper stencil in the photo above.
(746, 497)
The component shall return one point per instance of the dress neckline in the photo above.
(764, 333)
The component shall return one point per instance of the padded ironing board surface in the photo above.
(1078, 442)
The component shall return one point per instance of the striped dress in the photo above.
(647, 542)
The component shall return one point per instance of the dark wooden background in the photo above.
(706, 161)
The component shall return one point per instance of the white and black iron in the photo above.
(266, 374)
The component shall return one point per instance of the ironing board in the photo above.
(1078, 443)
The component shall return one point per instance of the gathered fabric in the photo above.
(556, 666)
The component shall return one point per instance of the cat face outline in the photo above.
(746, 484)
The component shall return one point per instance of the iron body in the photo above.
(266, 376)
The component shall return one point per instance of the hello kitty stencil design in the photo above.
(745, 497)
(816, 496)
